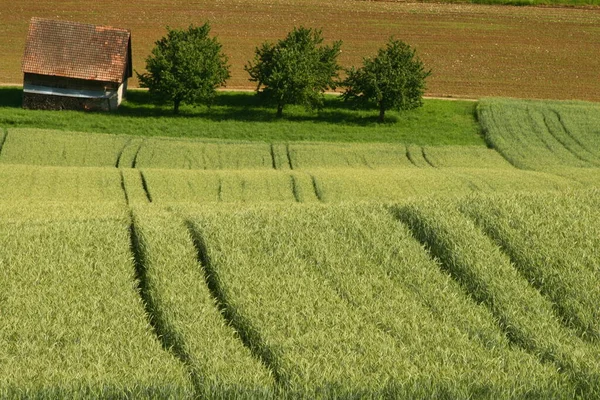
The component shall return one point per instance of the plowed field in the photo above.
(473, 50)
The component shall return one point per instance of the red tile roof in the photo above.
(75, 50)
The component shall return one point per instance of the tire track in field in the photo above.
(4, 136)
(410, 157)
(514, 155)
(123, 187)
(120, 154)
(365, 162)
(317, 188)
(296, 189)
(289, 156)
(137, 152)
(568, 134)
(565, 314)
(273, 159)
(427, 160)
(170, 341)
(220, 191)
(575, 138)
(467, 181)
(145, 187)
(540, 135)
(249, 336)
(416, 156)
(532, 324)
(562, 142)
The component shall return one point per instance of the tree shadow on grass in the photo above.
(227, 106)
(11, 97)
(248, 107)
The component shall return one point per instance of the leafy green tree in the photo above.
(295, 70)
(394, 79)
(186, 66)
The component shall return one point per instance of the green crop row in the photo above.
(73, 184)
(528, 318)
(467, 298)
(342, 301)
(465, 157)
(554, 241)
(588, 177)
(250, 186)
(319, 155)
(25, 183)
(543, 135)
(336, 185)
(339, 184)
(314, 343)
(73, 324)
(186, 314)
(57, 148)
(190, 154)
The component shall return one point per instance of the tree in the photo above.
(394, 79)
(295, 70)
(186, 66)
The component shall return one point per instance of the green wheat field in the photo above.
(204, 262)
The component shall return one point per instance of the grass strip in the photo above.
(533, 231)
(237, 116)
(513, 180)
(345, 184)
(487, 274)
(73, 325)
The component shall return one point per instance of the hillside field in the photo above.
(452, 252)
(391, 266)
(473, 50)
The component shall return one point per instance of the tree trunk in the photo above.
(279, 110)
(176, 104)
(381, 113)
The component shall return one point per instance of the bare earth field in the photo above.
(473, 50)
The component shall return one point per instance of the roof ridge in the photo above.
(77, 50)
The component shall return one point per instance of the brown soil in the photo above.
(473, 50)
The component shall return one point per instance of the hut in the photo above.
(69, 65)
